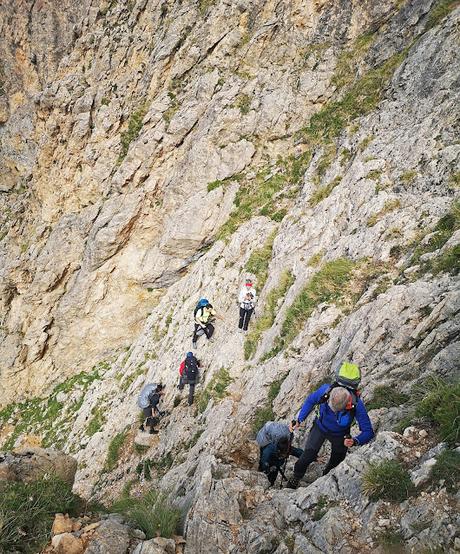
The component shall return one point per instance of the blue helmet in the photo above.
(189, 354)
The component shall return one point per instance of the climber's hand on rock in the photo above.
(349, 443)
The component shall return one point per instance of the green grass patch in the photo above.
(408, 177)
(132, 132)
(45, 416)
(266, 320)
(97, 421)
(327, 285)
(447, 469)
(387, 480)
(269, 193)
(391, 541)
(130, 378)
(243, 103)
(322, 192)
(447, 262)
(442, 232)
(441, 10)
(113, 453)
(216, 389)
(385, 396)
(152, 513)
(439, 401)
(454, 180)
(348, 61)
(388, 207)
(259, 260)
(315, 260)
(363, 96)
(27, 512)
(320, 509)
(265, 412)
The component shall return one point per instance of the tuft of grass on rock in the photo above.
(266, 320)
(387, 480)
(439, 401)
(27, 512)
(385, 396)
(259, 261)
(388, 207)
(447, 469)
(439, 11)
(152, 513)
(134, 127)
(216, 389)
(326, 285)
(113, 453)
(322, 192)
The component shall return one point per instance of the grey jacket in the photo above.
(272, 431)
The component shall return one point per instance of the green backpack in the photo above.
(348, 375)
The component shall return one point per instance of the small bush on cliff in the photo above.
(113, 453)
(387, 480)
(216, 389)
(152, 513)
(385, 396)
(27, 512)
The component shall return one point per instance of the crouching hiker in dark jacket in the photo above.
(337, 409)
(275, 442)
(189, 375)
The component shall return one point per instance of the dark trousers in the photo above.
(245, 316)
(313, 444)
(191, 389)
(208, 331)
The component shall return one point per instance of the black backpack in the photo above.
(191, 369)
(351, 406)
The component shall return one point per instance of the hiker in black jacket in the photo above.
(189, 375)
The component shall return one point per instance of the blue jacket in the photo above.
(337, 423)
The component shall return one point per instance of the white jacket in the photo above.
(244, 303)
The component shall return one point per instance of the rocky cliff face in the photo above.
(156, 152)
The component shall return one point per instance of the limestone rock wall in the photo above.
(150, 151)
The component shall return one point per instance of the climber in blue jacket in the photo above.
(337, 407)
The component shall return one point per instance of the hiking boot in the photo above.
(142, 428)
(293, 483)
(153, 431)
(194, 344)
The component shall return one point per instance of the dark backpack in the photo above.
(201, 304)
(191, 369)
(351, 406)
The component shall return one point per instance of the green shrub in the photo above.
(152, 513)
(385, 396)
(321, 508)
(439, 401)
(244, 103)
(27, 512)
(113, 453)
(387, 480)
(266, 320)
(216, 389)
(447, 468)
(259, 261)
(97, 421)
(325, 286)
(134, 127)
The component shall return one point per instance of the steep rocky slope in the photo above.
(156, 152)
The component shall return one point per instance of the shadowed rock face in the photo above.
(150, 151)
(31, 464)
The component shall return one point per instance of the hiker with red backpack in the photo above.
(338, 405)
(247, 302)
(189, 375)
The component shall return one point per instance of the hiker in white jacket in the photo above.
(247, 301)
